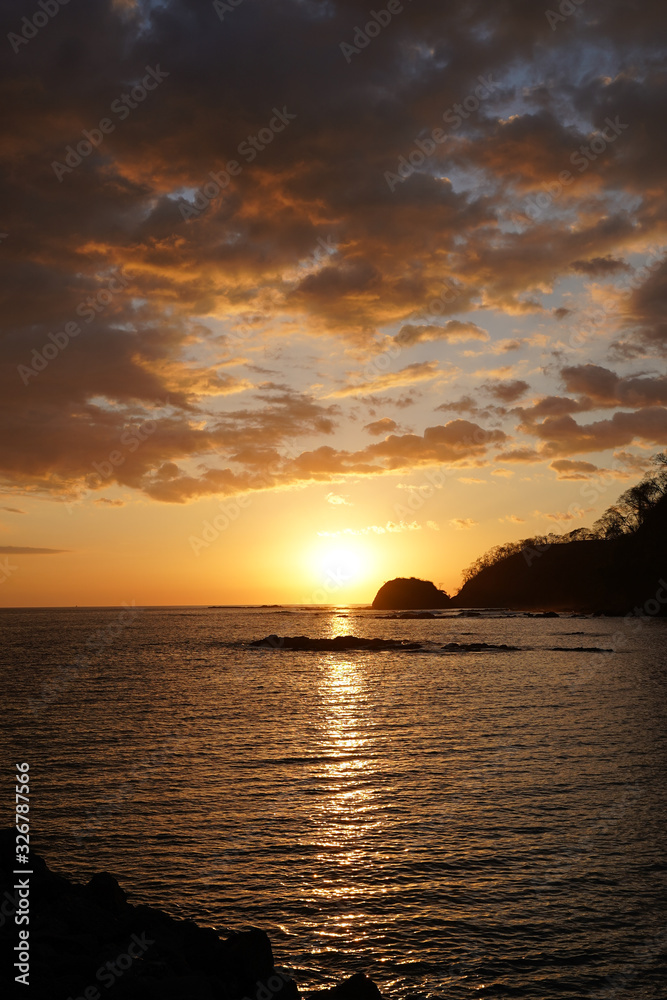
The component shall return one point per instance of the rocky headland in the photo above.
(614, 568)
(409, 594)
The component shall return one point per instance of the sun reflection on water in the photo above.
(348, 769)
(339, 623)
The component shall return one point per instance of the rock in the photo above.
(251, 952)
(76, 930)
(579, 649)
(341, 642)
(476, 647)
(358, 987)
(409, 594)
(105, 891)
(407, 615)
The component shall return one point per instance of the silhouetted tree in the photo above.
(623, 518)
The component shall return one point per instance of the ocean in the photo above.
(455, 824)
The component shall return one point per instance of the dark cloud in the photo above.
(561, 312)
(647, 312)
(507, 392)
(563, 435)
(605, 387)
(552, 406)
(599, 267)
(573, 470)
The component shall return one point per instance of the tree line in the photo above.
(625, 517)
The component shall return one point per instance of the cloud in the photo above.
(569, 469)
(383, 426)
(552, 406)
(647, 308)
(605, 387)
(507, 392)
(391, 527)
(561, 312)
(453, 330)
(23, 550)
(338, 501)
(635, 464)
(564, 436)
(565, 517)
(458, 441)
(12, 510)
(420, 371)
(599, 266)
(527, 455)
(463, 523)
(466, 404)
(452, 442)
(513, 519)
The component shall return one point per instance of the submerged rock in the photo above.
(579, 649)
(408, 615)
(476, 647)
(340, 642)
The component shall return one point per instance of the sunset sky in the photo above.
(291, 307)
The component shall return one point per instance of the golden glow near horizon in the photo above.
(288, 547)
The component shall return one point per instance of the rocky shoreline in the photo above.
(87, 941)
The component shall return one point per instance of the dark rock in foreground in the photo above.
(358, 987)
(403, 594)
(87, 941)
(341, 642)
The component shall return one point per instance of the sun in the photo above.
(337, 565)
(341, 564)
